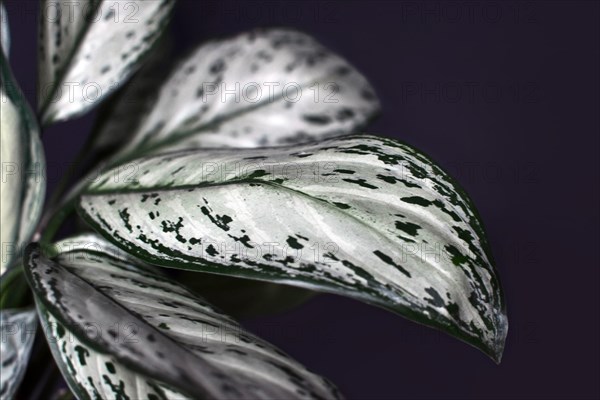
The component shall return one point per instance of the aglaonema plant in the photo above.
(234, 176)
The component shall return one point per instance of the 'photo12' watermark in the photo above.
(210, 92)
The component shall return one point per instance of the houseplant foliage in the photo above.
(259, 189)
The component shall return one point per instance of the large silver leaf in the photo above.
(22, 156)
(4, 30)
(362, 216)
(17, 328)
(88, 48)
(261, 88)
(120, 330)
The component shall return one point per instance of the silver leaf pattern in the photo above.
(261, 88)
(88, 48)
(18, 333)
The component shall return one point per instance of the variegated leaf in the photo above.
(119, 118)
(17, 328)
(23, 165)
(4, 30)
(362, 216)
(119, 330)
(88, 48)
(261, 88)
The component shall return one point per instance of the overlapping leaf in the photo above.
(261, 88)
(361, 216)
(18, 332)
(119, 330)
(23, 165)
(118, 119)
(89, 48)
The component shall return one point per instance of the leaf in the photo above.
(93, 243)
(18, 332)
(119, 118)
(23, 165)
(284, 87)
(4, 30)
(117, 329)
(361, 216)
(89, 48)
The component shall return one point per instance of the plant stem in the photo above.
(56, 212)
(50, 227)
(63, 184)
(14, 290)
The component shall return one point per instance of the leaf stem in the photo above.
(57, 210)
(52, 224)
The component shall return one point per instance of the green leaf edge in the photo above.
(31, 131)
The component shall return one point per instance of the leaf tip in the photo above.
(496, 350)
(31, 250)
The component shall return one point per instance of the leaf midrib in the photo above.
(272, 185)
(178, 136)
(109, 192)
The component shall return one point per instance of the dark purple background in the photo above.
(506, 97)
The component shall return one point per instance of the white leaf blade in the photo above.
(90, 47)
(4, 31)
(362, 216)
(179, 339)
(260, 88)
(22, 157)
(18, 333)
